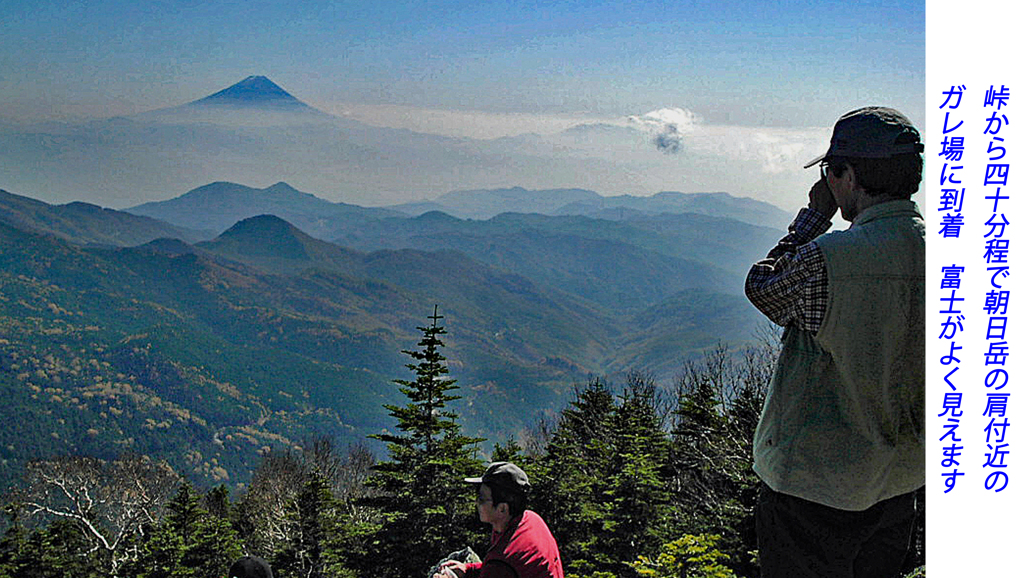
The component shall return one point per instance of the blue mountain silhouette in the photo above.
(253, 91)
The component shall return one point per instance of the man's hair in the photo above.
(515, 499)
(897, 176)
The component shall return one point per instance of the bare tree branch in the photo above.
(109, 500)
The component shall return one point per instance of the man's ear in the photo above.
(503, 508)
(851, 174)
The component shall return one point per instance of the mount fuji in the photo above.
(252, 91)
(254, 101)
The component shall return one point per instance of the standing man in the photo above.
(840, 444)
(521, 544)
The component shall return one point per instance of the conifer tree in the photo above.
(572, 476)
(715, 488)
(13, 559)
(217, 502)
(356, 522)
(635, 488)
(743, 414)
(426, 506)
(697, 445)
(510, 451)
(61, 549)
(189, 542)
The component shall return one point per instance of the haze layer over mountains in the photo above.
(256, 132)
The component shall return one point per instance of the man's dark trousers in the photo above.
(801, 539)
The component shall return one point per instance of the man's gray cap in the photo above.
(503, 475)
(873, 132)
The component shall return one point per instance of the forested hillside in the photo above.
(634, 479)
(172, 404)
(208, 354)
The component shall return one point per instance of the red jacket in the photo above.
(526, 549)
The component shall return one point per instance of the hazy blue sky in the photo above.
(789, 63)
(748, 89)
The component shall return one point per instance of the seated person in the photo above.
(521, 544)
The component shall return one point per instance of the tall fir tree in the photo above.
(510, 451)
(743, 413)
(571, 477)
(13, 545)
(635, 487)
(188, 543)
(698, 484)
(426, 507)
(60, 550)
(714, 486)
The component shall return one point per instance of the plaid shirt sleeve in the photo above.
(790, 286)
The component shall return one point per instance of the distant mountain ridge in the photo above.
(655, 239)
(621, 265)
(85, 223)
(217, 206)
(487, 203)
(719, 204)
(310, 339)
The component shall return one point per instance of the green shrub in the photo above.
(691, 556)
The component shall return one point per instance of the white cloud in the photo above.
(684, 121)
(774, 150)
(667, 127)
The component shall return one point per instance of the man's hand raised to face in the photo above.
(821, 199)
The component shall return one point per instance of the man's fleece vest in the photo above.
(843, 421)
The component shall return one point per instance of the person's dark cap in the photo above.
(873, 132)
(504, 475)
(250, 567)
